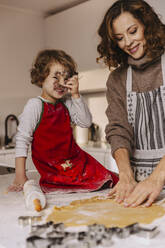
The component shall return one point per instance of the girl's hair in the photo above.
(154, 31)
(41, 67)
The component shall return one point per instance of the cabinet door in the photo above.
(7, 159)
(110, 163)
(98, 154)
(10, 159)
(2, 160)
(103, 156)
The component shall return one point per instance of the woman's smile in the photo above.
(134, 49)
(129, 35)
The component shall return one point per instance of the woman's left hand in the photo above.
(145, 192)
(148, 190)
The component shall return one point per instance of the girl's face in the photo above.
(129, 34)
(53, 87)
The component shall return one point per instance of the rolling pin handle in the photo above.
(37, 205)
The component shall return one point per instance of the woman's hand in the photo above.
(123, 188)
(17, 185)
(126, 183)
(146, 191)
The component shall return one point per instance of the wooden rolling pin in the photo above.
(34, 197)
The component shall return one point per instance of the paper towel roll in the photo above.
(81, 135)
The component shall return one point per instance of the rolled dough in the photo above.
(103, 211)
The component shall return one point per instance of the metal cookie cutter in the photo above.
(28, 220)
(148, 232)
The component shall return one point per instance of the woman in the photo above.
(132, 43)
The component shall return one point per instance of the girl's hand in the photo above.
(73, 86)
(17, 185)
(123, 188)
(147, 190)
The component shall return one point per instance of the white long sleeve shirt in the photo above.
(28, 120)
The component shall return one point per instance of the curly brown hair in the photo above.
(41, 67)
(154, 31)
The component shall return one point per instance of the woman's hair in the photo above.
(154, 31)
(41, 67)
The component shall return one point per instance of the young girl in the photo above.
(133, 43)
(46, 124)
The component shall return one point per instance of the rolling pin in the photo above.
(34, 197)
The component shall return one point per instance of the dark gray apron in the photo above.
(146, 114)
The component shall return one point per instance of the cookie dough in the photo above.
(103, 211)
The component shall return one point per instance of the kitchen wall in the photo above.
(93, 87)
(75, 31)
(21, 36)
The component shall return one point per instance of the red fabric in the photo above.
(53, 145)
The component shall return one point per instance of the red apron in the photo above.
(62, 164)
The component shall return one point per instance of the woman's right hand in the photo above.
(123, 188)
(126, 183)
(17, 184)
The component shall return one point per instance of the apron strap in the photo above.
(129, 80)
(163, 67)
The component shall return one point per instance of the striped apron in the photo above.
(146, 114)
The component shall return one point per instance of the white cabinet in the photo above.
(103, 155)
(97, 153)
(7, 159)
(75, 31)
(110, 162)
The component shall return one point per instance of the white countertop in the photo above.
(12, 205)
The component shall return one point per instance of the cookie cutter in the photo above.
(148, 233)
(28, 220)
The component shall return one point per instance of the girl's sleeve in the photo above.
(119, 132)
(79, 112)
(27, 123)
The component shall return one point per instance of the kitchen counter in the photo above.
(12, 205)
